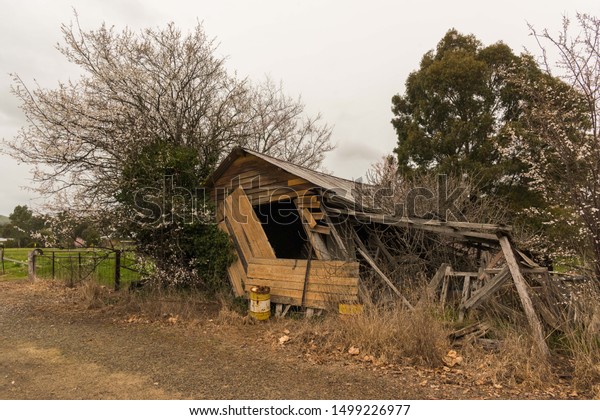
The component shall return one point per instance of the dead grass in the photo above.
(517, 361)
(93, 294)
(388, 334)
(581, 339)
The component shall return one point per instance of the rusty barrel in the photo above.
(260, 302)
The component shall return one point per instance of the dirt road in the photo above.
(53, 348)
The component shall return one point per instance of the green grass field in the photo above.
(70, 265)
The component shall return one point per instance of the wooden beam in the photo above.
(317, 243)
(341, 251)
(521, 285)
(437, 279)
(318, 215)
(362, 250)
(296, 181)
(465, 295)
(384, 277)
(308, 217)
(323, 230)
(423, 223)
(488, 289)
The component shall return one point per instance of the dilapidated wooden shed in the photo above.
(311, 237)
(274, 212)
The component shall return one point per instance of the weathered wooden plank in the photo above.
(308, 217)
(277, 194)
(528, 261)
(384, 277)
(351, 268)
(297, 275)
(495, 259)
(309, 205)
(335, 289)
(240, 241)
(296, 181)
(521, 285)
(318, 215)
(437, 279)
(487, 290)
(465, 296)
(442, 228)
(318, 244)
(310, 296)
(323, 230)
(244, 214)
(308, 198)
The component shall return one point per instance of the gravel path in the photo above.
(47, 353)
(52, 346)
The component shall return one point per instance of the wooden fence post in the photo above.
(31, 265)
(79, 265)
(53, 266)
(2, 259)
(117, 270)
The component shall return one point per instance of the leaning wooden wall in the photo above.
(314, 284)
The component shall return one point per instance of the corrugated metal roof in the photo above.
(341, 188)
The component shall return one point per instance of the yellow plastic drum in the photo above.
(260, 303)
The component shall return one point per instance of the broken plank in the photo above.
(465, 296)
(318, 215)
(308, 217)
(384, 277)
(521, 285)
(323, 230)
(296, 181)
(487, 290)
(238, 206)
(437, 278)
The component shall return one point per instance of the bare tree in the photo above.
(158, 86)
(278, 128)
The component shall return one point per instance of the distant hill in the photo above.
(4, 220)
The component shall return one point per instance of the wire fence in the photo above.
(108, 267)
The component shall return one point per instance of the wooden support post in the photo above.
(317, 243)
(444, 293)
(465, 295)
(117, 270)
(521, 285)
(487, 290)
(309, 313)
(278, 310)
(53, 265)
(2, 259)
(437, 278)
(342, 251)
(370, 261)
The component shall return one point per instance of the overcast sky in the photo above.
(346, 58)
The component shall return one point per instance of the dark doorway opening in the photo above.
(283, 227)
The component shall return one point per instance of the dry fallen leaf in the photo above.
(284, 339)
(452, 358)
(353, 351)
